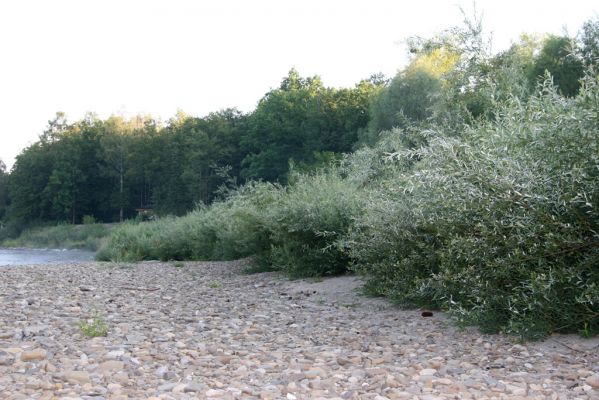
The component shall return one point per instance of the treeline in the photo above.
(475, 189)
(106, 169)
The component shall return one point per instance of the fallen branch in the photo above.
(151, 289)
(574, 348)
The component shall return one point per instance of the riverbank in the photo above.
(207, 330)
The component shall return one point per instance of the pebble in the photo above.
(77, 376)
(173, 335)
(33, 355)
(593, 381)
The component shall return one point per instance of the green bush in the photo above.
(307, 222)
(497, 224)
(89, 219)
(226, 230)
(295, 229)
(93, 326)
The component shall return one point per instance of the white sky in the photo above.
(146, 56)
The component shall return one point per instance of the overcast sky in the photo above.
(129, 57)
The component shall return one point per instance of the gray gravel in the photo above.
(207, 330)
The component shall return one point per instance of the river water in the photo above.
(43, 256)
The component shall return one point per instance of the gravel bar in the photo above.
(199, 330)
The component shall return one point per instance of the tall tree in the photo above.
(116, 143)
(30, 175)
(3, 191)
(299, 118)
(63, 188)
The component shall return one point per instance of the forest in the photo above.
(468, 182)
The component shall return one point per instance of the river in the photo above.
(42, 256)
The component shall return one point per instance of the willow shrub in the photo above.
(305, 225)
(498, 224)
(295, 229)
(230, 229)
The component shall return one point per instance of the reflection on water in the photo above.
(43, 256)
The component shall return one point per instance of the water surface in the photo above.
(43, 256)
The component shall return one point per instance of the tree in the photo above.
(412, 93)
(116, 143)
(30, 175)
(63, 189)
(3, 191)
(559, 57)
(589, 42)
(510, 70)
(298, 118)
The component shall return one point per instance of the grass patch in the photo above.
(89, 236)
(93, 326)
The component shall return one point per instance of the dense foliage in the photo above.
(473, 186)
(499, 224)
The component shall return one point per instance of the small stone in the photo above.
(115, 354)
(167, 387)
(347, 395)
(33, 355)
(343, 361)
(428, 371)
(314, 373)
(359, 374)
(193, 387)
(516, 390)
(13, 350)
(110, 366)
(114, 387)
(179, 388)
(5, 358)
(593, 381)
(223, 359)
(77, 376)
(48, 367)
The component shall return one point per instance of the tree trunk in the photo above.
(121, 196)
